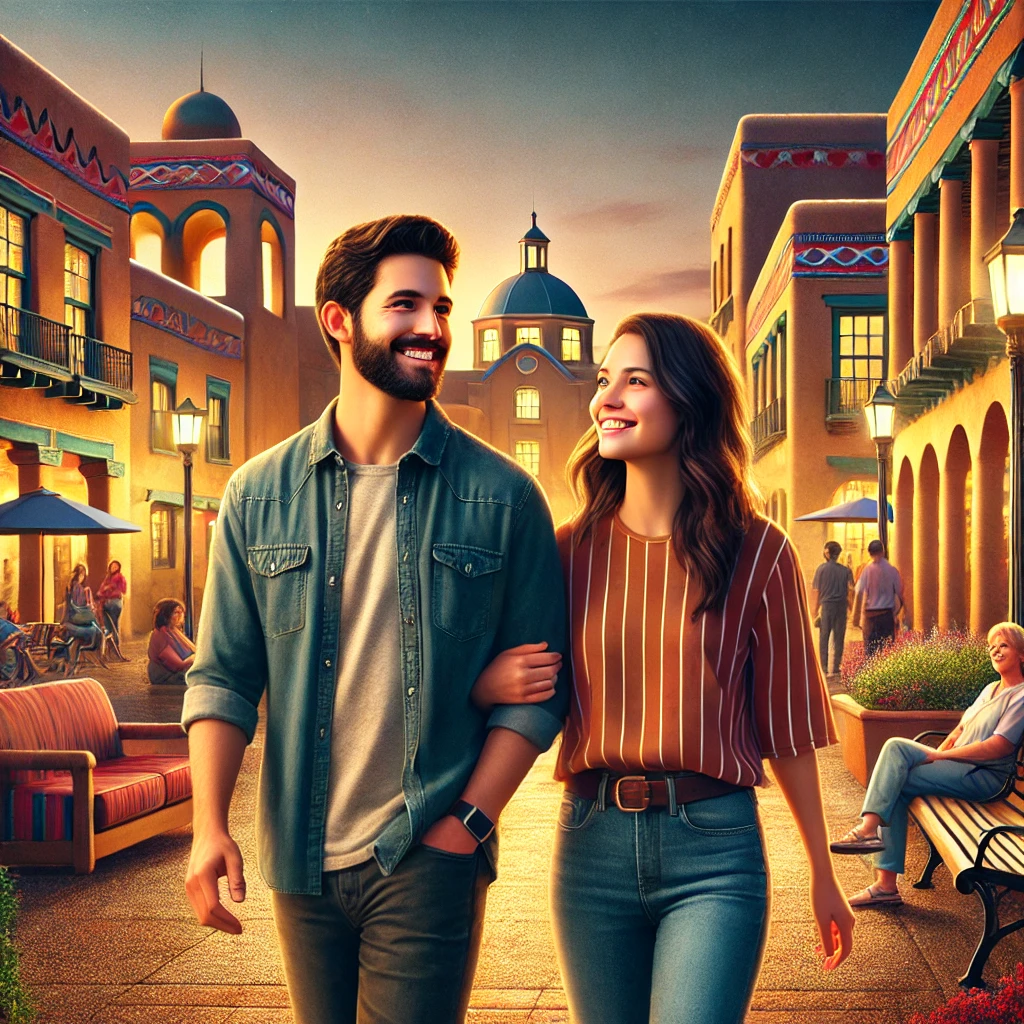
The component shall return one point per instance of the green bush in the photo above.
(15, 1005)
(943, 671)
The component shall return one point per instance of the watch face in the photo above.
(479, 824)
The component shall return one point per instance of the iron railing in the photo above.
(30, 334)
(846, 396)
(100, 361)
(769, 425)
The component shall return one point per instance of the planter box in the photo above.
(863, 732)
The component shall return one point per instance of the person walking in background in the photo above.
(111, 597)
(833, 596)
(880, 596)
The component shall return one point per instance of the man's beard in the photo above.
(377, 363)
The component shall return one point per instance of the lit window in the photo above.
(273, 270)
(12, 258)
(147, 241)
(527, 335)
(528, 456)
(162, 428)
(531, 257)
(490, 347)
(527, 404)
(862, 346)
(77, 289)
(217, 398)
(212, 280)
(161, 532)
(571, 348)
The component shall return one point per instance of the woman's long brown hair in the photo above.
(696, 374)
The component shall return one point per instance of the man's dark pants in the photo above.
(879, 627)
(833, 622)
(396, 949)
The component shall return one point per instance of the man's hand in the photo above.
(835, 921)
(521, 675)
(450, 835)
(213, 857)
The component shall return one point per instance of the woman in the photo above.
(111, 593)
(171, 653)
(692, 658)
(79, 619)
(973, 762)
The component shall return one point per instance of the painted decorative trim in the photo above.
(967, 36)
(91, 230)
(213, 172)
(39, 137)
(19, 190)
(824, 256)
(185, 326)
(801, 156)
(200, 502)
(857, 301)
(85, 446)
(50, 456)
(853, 464)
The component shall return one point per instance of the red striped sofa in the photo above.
(75, 785)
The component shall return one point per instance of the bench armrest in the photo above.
(151, 731)
(931, 732)
(989, 834)
(47, 760)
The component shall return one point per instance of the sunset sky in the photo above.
(613, 118)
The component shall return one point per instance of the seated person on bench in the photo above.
(972, 762)
(171, 653)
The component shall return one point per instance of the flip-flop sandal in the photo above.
(872, 897)
(856, 842)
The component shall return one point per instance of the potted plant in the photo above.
(912, 685)
(15, 1005)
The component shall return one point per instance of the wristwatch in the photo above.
(477, 823)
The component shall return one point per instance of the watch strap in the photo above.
(476, 822)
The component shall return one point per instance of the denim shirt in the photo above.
(478, 572)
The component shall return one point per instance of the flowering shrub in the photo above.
(1004, 1005)
(943, 671)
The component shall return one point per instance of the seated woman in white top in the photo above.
(972, 762)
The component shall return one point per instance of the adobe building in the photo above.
(529, 392)
(816, 349)
(776, 160)
(954, 176)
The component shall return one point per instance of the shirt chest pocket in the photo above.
(463, 585)
(279, 574)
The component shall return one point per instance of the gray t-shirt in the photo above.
(368, 728)
(995, 714)
(832, 581)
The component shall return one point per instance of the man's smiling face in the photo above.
(401, 335)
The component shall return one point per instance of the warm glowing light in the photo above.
(188, 425)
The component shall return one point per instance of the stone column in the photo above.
(926, 534)
(1016, 147)
(984, 158)
(926, 309)
(97, 482)
(902, 552)
(952, 545)
(989, 589)
(950, 227)
(901, 304)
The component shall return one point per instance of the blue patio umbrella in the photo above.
(48, 513)
(860, 510)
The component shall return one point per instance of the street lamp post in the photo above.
(1006, 274)
(188, 425)
(881, 413)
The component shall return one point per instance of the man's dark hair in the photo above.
(834, 549)
(875, 548)
(349, 267)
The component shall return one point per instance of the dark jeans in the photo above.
(879, 627)
(833, 623)
(396, 949)
(112, 616)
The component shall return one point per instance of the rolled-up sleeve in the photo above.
(229, 674)
(534, 610)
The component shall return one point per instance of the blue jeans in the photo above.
(385, 949)
(900, 774)
(660, 918)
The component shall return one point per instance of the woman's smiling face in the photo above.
(634, 418)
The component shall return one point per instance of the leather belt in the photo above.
(636, 793)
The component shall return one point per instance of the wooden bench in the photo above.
(982, 845)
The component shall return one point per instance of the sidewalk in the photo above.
(120, 946)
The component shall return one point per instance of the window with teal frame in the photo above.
(860, 357)
(163, 382)
(218, 395)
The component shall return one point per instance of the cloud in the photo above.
(670, 284)
(679, 151)
(619, 213)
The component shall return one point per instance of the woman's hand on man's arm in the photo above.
(521, 675)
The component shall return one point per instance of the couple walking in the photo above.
(394, 590)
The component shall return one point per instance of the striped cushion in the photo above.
(43, 809)
(71, 715)
(174, 768)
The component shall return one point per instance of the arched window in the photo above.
(273, 269)
(490, 347)
(147, 241)
(527, 404)
(204, 239)
(571, 347)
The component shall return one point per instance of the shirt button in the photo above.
(338, 505)
(330, 581)
(409, 621)
(469, 568)
(323, 732)
(273, 566)
(412, 690)
(405, 499)
(327, 662)
(405, 556)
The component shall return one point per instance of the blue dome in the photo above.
(200, 115)
(532, 293)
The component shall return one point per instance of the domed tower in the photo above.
(533, 308)
(200, 115)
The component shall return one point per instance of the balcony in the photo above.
(39, 353)
(845, 398)
(968, 345)
(768, 427)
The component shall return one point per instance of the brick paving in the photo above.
(120, 946)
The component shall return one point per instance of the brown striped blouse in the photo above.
(655, 690)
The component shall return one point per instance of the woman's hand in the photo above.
(521, 675)
(835, 921)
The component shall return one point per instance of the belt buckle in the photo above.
(617, 797)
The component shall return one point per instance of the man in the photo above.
(880, 592)
(833, 594)
(364, 573)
